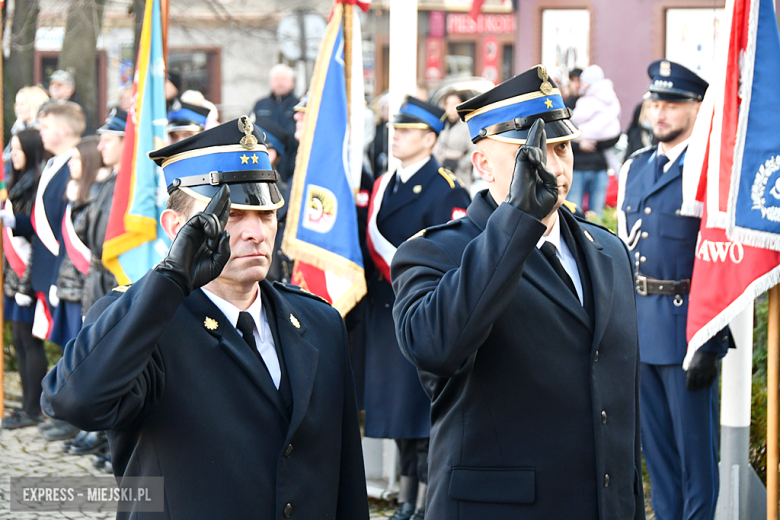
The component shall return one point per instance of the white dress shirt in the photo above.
(672, 153)
(262, 331)
(565, 255)
(404, 174)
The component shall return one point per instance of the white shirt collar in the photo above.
(231, 312)
(554, 237)
(406, 173)
(673, 153)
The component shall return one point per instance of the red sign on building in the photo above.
(462, 23)
(490, 58)
(434, 59)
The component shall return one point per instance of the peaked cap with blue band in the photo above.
(232, 153)
(186, 117)
(419, 114)
(673, 82)
(506, 112)
(115, 123)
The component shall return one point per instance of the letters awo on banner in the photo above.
(321, 232)
(732, 175)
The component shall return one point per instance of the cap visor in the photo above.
(557, 131)
(256, 196)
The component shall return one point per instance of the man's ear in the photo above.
(430, 139)
(171, 222)
(481, 163)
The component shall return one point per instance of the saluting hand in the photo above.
(201, 248)
(534, 188)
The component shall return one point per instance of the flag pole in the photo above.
(773, 377)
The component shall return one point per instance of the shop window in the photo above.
(507, 62)
(566, 39)
(692, 35)
(460, 59)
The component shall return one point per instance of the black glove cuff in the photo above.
(176, 277)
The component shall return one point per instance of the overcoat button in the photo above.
(288, 509)
(387, 306)
(596, 357)
(606, 482)
(603, 417)
(648, 211)
(643, 259)
(288, 450)
(645, 234)
(628, 208)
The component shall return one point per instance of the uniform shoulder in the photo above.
(451, 179)
(298, 291)
(593, 226)
(427, 232)
(121, 288)
(642, 151)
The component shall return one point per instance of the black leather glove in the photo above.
(702, 371)
(534, 188)
(201, 248)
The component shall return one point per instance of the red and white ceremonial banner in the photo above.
(731, 133)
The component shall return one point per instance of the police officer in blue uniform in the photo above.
(520, 319)
(237, 391)
(679, 409)
(419, 194)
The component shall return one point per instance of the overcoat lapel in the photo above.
(233, 344)
(600, 267)
(405, 195)
(300, 356)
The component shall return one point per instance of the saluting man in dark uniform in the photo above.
(521, 321)
(418, 195)
(679, 409)
(237, 391)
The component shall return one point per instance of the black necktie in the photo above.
(398, 182)
(548, 249)
(660, 162)
(246, 326)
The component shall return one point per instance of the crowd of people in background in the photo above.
(60, 190)
(60, 185)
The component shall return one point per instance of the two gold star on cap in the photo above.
(245, 159)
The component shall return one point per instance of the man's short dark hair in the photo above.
(575, 73)
(180, 202)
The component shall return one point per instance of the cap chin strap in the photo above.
(217, 178)
(523, 123)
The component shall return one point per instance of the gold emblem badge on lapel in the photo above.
(295, 322)
(211, 323)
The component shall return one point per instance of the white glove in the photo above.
(8, 218)
(22, 300)
(53, 296)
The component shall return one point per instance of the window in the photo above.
(692, 35)
(566, 39)
(199, 69)
(507, 62)
(460, 59)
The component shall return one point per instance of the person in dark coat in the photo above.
(100, 280)
(27, 159)
(679, 408)
(237, 392)
(279, 106)
(520, 319)
(417, 195)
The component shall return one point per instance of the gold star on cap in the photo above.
(548, 103)
(244, 159)
(295, 322)
(254, 159)
(211, 323)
